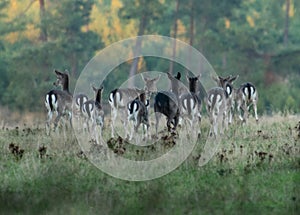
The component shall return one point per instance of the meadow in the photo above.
(255, 171)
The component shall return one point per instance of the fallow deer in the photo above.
(190, 103)
(78, 101)
(138, 113)
(227, 84)
(92, 110)
(216, 108)
(246, 96)
(59, 101)
(119, 98)
(167, 103)
(150, 84)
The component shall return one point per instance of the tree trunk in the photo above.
(137, 50)
(191, 32)
(286, 24)
(43, 29)
(174, 36)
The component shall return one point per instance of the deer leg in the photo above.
(48, 122)
(157, 117)
(57, 120)
(239, 108)
(215, 126)
(114, 113)
(246, 115)
(131, 133)
(70, 118)
(255, 109)
(230, 116)
(176, 120)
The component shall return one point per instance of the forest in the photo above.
(259, 40)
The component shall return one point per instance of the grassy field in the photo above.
(255, 171)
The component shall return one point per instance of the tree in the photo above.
(145, 12)
(64, 43)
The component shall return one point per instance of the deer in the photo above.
(190, 103)
(59, 101)
(227, 84)
(150, 84)
(216, 104)
(92, 111)
(78, 101)
(119, 98)
(246, 95)
(167, 103)
(138, 113)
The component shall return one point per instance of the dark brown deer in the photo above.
(167, 103)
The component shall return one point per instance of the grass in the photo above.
(255, 171)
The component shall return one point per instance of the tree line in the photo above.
(257, 40)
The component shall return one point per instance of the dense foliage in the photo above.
(257, 40)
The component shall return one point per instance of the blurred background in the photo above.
(259, 40)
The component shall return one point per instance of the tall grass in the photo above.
(255, 170)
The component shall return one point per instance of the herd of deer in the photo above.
(133, 104)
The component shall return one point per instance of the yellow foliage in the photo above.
(141, 64)
(291, 9)
(227, 23)
(16, 10)
(181, 30)
(250, 21)
(116, 4)
(108, 24)
(32, 33)
(12, 37)
(255, 14)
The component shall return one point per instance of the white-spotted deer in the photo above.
(246, 96)
(167, 103)
(59, 101)
(138, 113)
(216, 108)
(119, 98)
(93, 112)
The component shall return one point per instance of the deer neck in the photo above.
(98, 97)
(193, 87)
(143, 98)
(66, 84)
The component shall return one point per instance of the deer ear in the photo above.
(57, 72)
(157, 78)
(101, 87)
(145, 78)
(178, 75)
(169, 75)
(216, 79)
(233, 78)
(223, 79)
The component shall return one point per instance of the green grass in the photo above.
(239, 179)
